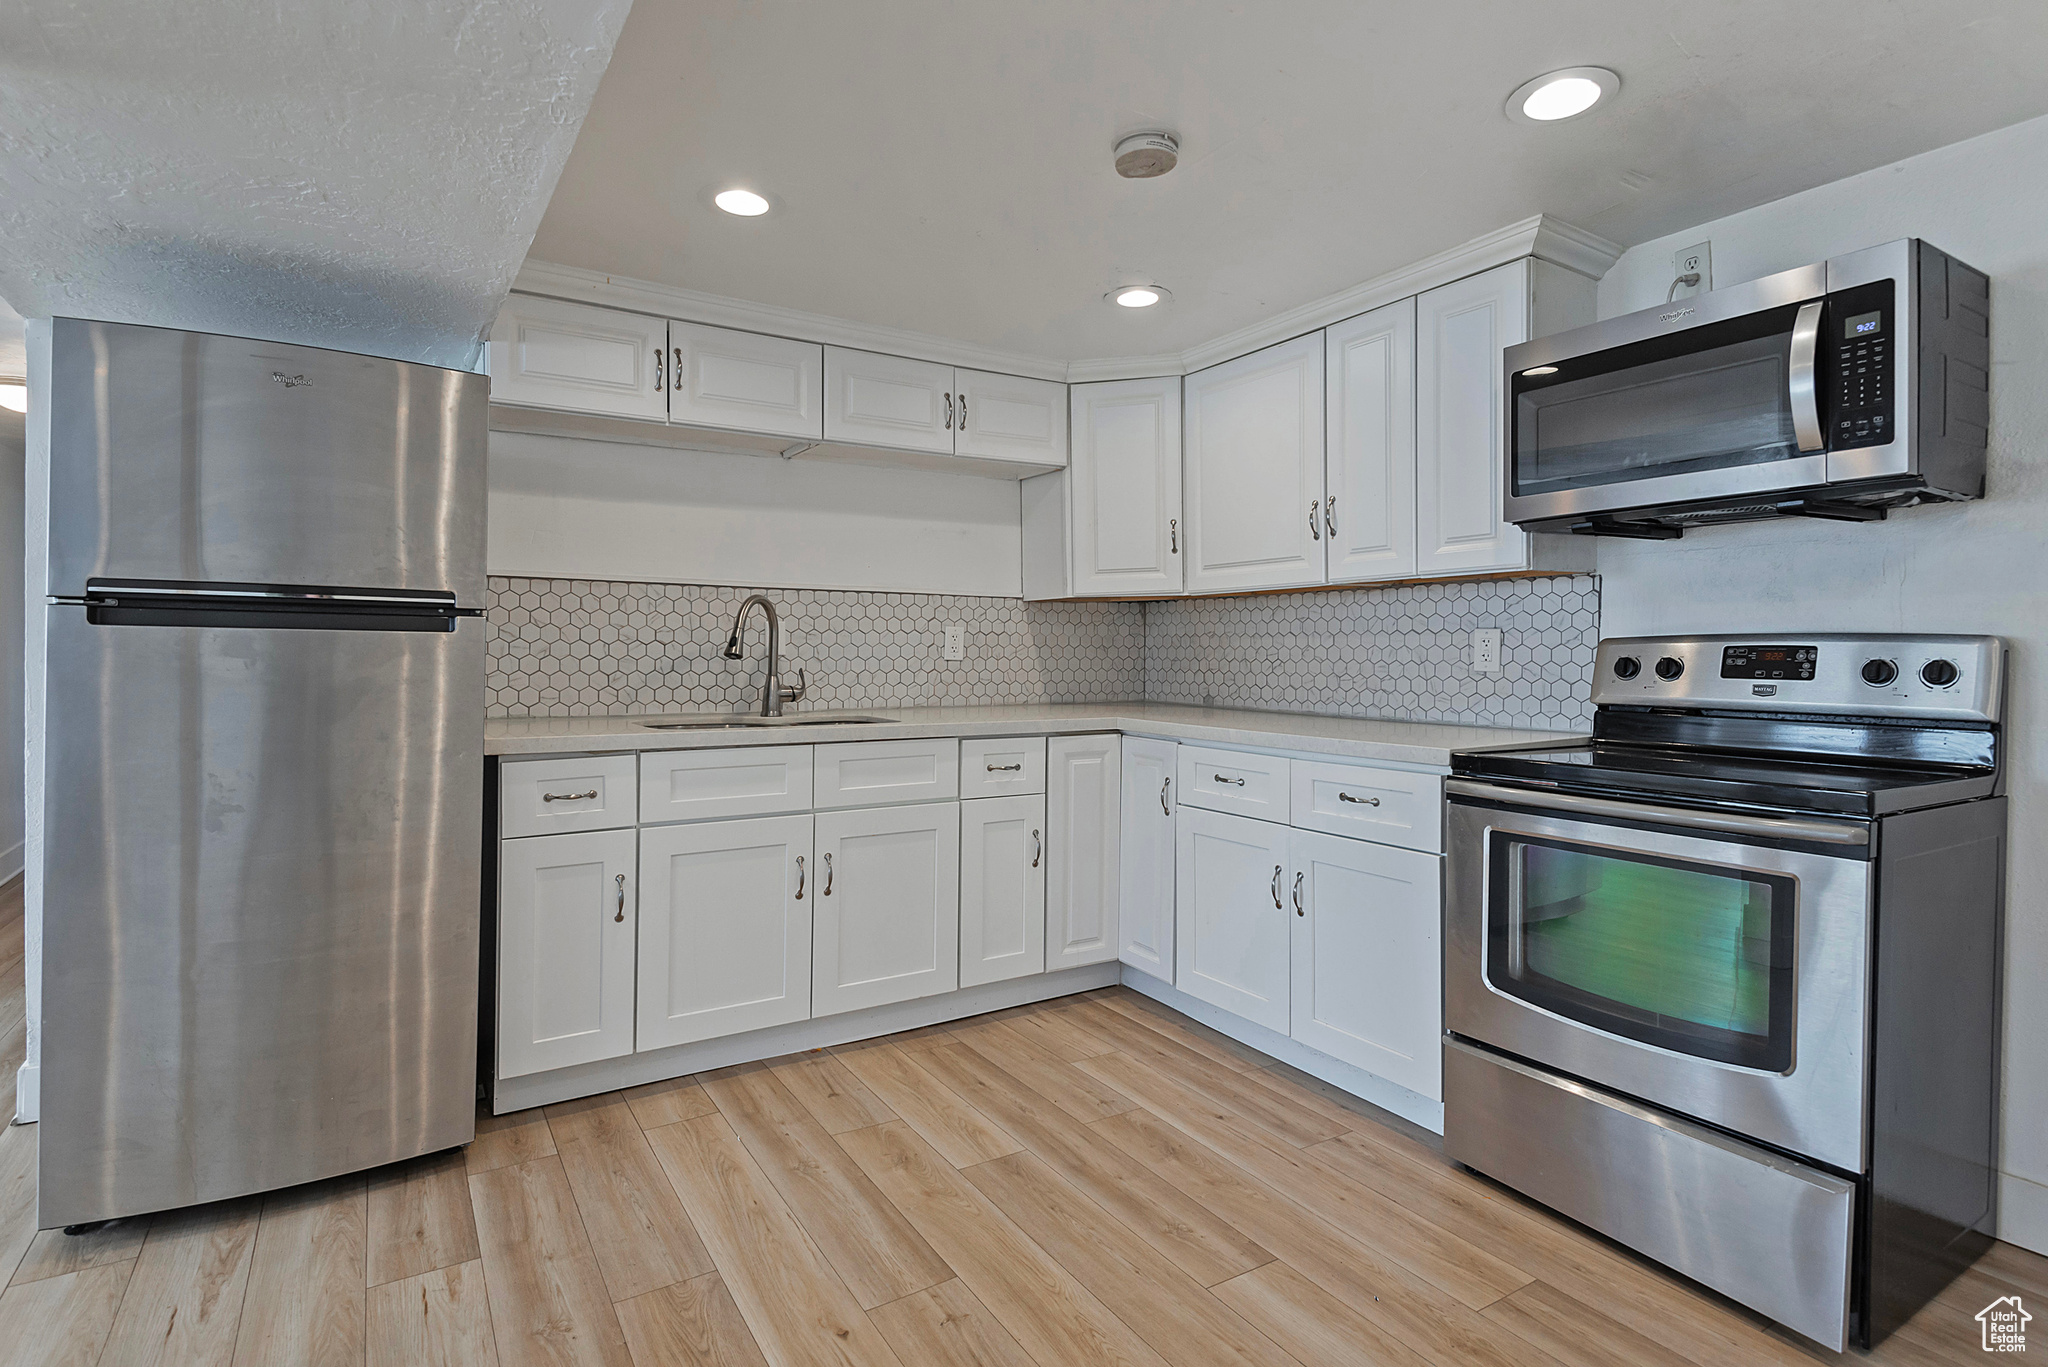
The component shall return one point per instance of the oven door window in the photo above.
(1695, 958)
(1710, 398)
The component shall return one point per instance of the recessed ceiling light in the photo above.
(1562, 94)
(1138, 296)
(14, 396)
(745, 203)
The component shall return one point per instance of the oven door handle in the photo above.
(1799, 377)
(1728, 823)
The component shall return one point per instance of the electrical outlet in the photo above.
(956, 641)
(1486, 650)
(1696, 259)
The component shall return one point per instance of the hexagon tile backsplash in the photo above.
(576, 647)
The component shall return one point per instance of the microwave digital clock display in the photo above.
(1768, 662)
(1862, 325)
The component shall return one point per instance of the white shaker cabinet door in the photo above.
(1230, 931)
(1254, 470)
(886, 927)
(1460, 438)
(1145, 904)
(1083, 837)
(1369, 506)
(1002, 888)
(725, 928)
(720, 377)
(1127, 534)
(1008, 417)
(1368, 965)
(549, 354)
(879, 400)
(566, 922)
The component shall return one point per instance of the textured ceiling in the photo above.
(351, 174)
(945, 166)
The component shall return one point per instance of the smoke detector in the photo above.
(1144, 155)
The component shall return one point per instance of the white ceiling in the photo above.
(945, 166)
(353, 173)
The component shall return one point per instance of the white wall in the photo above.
(1976, 567)
(567, 508)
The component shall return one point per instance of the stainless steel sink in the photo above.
(727, 721)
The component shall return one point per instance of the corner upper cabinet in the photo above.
(1009, 417)
(1369, 396)
(545, 353)
(1254, 470)
(745, 382)
(1127, 536)
(877, 400)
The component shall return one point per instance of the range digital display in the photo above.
(1768, 662)
(1862, 325)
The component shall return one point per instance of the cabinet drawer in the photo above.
(999, 768)
(1390, 806)
(690, 785)
(879, 772)
(1232, 781)
(548, 796)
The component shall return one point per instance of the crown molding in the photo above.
(1540, 236)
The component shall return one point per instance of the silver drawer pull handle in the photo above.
(568, 797)
(1276, 889)
(1220, 779)
(1297, 894)
(1037, 849)
(1004, 768)
(622, 898)
(801, 875)
(1363, 801)
(1164, 809)
(828, 876)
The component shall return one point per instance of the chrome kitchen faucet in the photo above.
(774, 693)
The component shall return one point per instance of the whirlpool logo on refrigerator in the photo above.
(291, 381)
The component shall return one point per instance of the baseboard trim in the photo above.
(28, 1094)
(1388, 1096)
(2023, 1212)
(659, 1065)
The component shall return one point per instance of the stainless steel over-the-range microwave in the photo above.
(1836, 390)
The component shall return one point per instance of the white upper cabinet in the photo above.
(1254, 469)
(1007, 417)
(1460, 331)
(1125, 491)
(549, 354)
(1369, 505)
(744, 381)
(879, 400)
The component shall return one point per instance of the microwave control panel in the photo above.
(1858, 340)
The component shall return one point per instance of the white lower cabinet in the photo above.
(1083, 833)
(1145, 907)
(1230, 921)
(1002, 888)
(566, 921)
(1368, 971)
(886, 927)
(725, 928)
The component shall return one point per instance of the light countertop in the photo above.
(1428, 743)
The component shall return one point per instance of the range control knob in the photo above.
(1670, 667)
(1939, 673)
(1627, 667)
(1878, 673)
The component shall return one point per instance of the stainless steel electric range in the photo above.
(1722, 981)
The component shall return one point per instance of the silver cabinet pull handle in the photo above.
(828, 876)
(1220, 779)
(1276, 889)
(1315, 520)
(568, 797)
(963, 412)
(1800, 381)
(659, 357)
(1168, 783)
(1330, 515)
(1037, 848)
(1297, 894)
(801, 875)
(1004, 768)
(949, 412)
(622, 898)
(1173, 535)
(1362, 801)
(675, 370)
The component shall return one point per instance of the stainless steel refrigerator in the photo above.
(263, 766)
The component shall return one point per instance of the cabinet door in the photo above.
(879, 400)
(1007, 417)
(1460, 331)
(1369, 506)
(1145, 899)
(1002, 888)
(566, 912)
(1368, 971)
(1254, 469)
(725, 928)
(887, 922)
(549, 354)
(1082, 837)
(1127, 534)
(1230, 927)
(742, 380)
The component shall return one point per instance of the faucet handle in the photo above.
(796, 694)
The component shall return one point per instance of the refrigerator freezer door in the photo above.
(260, 907)
(180, 456)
